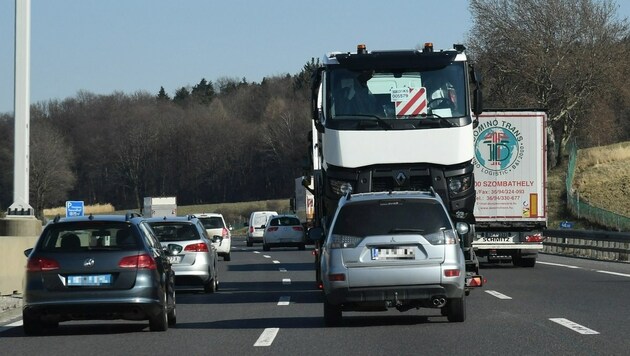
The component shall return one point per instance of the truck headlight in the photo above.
(340, 187)
(459, 184)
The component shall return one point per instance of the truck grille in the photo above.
(389, 183)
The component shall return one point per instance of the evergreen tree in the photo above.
(162, 96)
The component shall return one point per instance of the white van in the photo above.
(257, 222)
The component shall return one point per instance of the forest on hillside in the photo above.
(232, 140)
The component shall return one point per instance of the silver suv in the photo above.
(392, 250)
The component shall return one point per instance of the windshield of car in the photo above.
(391, 216)
(213, 222)
(412, 95)
(89, 235)
(168, 231)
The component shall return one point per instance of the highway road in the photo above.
(267, 304)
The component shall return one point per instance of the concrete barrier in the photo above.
(13, 262)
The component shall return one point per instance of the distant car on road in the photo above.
(284, 230)
(392, 250)
(215, 225)
(194, 257)
(98, 267)
(257, 221)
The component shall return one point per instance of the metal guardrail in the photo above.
(601, 245)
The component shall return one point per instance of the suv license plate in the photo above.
(399, 253)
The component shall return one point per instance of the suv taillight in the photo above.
(41, 264)
(198, 247)
(251, 229)
(144, 261)
(225, 233)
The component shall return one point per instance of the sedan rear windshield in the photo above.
(175, 231)
(284, 221)
(391, 216)
(92, 235)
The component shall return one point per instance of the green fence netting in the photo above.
(584, 210)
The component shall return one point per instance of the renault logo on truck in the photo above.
(401, 178)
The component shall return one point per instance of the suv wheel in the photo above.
(159, 322)
(227, 257)
(332, 314)
(250, 243)
(456, 309)
(265, 247)
(31, 325)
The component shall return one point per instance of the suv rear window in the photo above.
(89, 235)
(213, 222)
(383, 216)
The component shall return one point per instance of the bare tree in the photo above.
(51, 175)
(552, 54)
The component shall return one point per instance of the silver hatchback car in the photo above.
(193, 256)
(392, 250)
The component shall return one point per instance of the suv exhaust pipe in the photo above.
(438, 302)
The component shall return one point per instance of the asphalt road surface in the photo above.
(267, 303)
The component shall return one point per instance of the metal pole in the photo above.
(20, 206)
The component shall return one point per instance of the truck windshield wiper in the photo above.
(379, 121)
(435, 117)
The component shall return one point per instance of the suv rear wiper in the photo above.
(401, 231)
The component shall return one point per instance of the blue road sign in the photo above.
(566, 225)
(74, 208)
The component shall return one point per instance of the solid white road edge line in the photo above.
(497, 294)
(284, 300)
(558, 265)
(574, 326)
(615, 273)
(267, 336)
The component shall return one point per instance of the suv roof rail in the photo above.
(56, 219)
(130, 215)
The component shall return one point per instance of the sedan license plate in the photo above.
(174, 259)
(399, 253)
(89, 280)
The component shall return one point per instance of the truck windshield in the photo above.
(408, 95)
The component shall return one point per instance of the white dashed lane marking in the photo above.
(275, 261)
(286, 281)
(284, 300)
(267, 336)
(497, 294)
(574, 326)
(266, 256)
(282, 269)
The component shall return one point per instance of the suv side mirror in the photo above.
(315, 234)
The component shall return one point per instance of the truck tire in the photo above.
(456, 309)
(332, 314)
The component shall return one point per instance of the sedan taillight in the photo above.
(41, 264)
(272, 229)
(144, 261)
(198, 247)
(298, 228)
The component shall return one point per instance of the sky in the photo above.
(103, 46)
